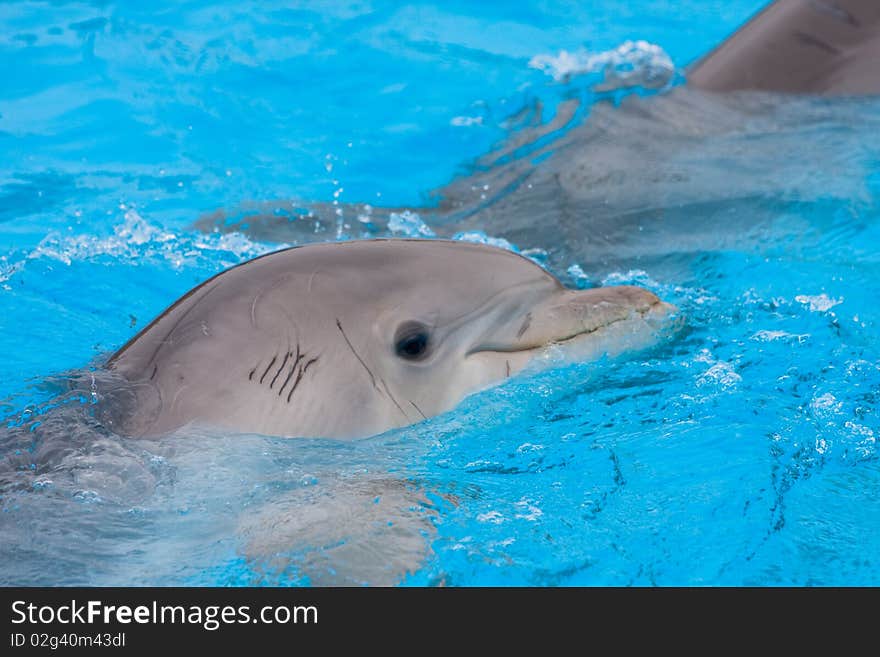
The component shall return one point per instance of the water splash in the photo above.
(632, 63)
(136, 240)
(819, 303)
(480, 237)
(578, 276)
(408, 224)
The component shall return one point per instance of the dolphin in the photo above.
(350, 339)
(776, 110)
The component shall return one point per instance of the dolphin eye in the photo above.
(412, 341)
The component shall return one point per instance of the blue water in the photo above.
(741, 452)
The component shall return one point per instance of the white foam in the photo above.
(408, 224)
(528, 510)
(136, 239)
(631, 63)
(721, 374)
(479, 237)
(860, 431)
(826, 405)
(772, 336)
(578, 275)
(8, 270)
(632, 277)
(494, 517)
(466, 121)
(538, 256)
(818, 303)
(866, 440)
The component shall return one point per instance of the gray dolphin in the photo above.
(350, 339)
(699, 167)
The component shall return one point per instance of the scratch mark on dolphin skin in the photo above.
(311, 278)
(287, 380)
(418, 409)
(372, 377)
(508, 368)
(268, 367)
(811, 40)
(177, 394)
(360, 360)
(525, 325)
(831, 9)
(155, 369)
(302, 372)
(391, 397)
(299, 356)
(283, 363)
(254, 309)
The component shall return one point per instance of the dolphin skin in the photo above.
(828, 47)
(350, 339)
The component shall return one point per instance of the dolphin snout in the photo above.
(630, 298)
(585, 311)
(624, 297)
(569, 314)
(589, 324)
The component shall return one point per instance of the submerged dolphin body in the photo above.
(689, 171)
(351, 339)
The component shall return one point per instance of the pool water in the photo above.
(147, 148)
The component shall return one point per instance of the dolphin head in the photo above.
(351, 339)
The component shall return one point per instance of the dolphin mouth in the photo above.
(659, 315)
(656, 316)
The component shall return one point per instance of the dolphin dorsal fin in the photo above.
(799, 46)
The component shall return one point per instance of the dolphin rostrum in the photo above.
(351, 339)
